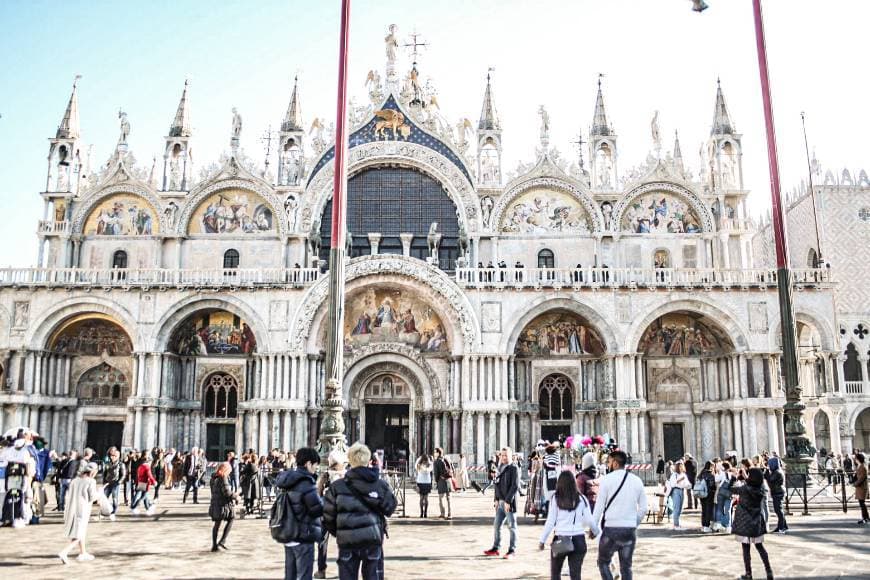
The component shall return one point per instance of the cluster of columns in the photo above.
(438, 429)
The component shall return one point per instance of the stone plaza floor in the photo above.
(176, 542)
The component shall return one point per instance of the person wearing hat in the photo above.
(776, 482)
(81, 495)
(587, 479)
(750, 520)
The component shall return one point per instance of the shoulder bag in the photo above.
(610, 501)
(564, 545)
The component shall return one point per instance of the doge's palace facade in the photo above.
(177, 308)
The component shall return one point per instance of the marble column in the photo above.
(480, 448)
(772, 432)
(502, 429)
(634, 439)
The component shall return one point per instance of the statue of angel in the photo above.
(125, 127)
(463, 129)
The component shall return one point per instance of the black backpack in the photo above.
(282, 522)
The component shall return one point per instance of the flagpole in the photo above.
(332, 421)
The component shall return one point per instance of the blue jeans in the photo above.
(111, 490)
(616, 540)
(299, 562)
(140, 496)
(64, 486)
(371, 560)
(677, 498)
(723, 511)
(501, 515)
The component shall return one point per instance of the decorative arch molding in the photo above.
(379, 153)
(178, 313)
(42, 328)
(725, 319)
(561, 184)
(363, 371)
(852, 421)
(199, 195)
(704, 215)
(605, 327)
(132, 188)
(824, 329)
(674, 373)
(404, 350)
(460, 312)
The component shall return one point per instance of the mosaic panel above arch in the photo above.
(213, 332)
(660, 212)
(122, 214)
(559, 333)
(90, 335)
(544, 210)
(684, 334)
(385, 314)
(233, 211)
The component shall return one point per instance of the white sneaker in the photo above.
(85, 557)
(728, 530)
(706, 530)
(18, 523)
(111, 517)
(135, 511)
(150, 511)
(62, 557)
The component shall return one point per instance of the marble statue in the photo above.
(290, 205)
(237, 124)
(545, 124)
(125, 127)
(391, 44)
(656, 132)
(486, 205)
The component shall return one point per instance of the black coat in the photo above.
(220, 506)
(507, 484)
(304, 501)
(748, 515)
(691, 470)
(708, 476)
(356, 508)
(775, 482)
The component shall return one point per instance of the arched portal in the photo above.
(822, 429)
(387, 401)
(685, 359)
(862, 431)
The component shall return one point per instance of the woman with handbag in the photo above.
(569, 515)
(221, 508)
(424, 483)
(675, 489)
(144, 480)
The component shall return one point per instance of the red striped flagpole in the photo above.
(332, 422)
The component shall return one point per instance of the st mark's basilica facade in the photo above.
(184, 308)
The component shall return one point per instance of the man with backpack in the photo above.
(302, 503)
(355, 511)
(443, 474)
(692, 474)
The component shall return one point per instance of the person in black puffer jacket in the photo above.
(708, 502)
(355, 511)
(307, 507)
(750, 521)
(776, 482)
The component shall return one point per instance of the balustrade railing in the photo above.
(854, 387)
(123, 277)
(53, 227)
(633, 277)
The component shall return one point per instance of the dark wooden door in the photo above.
(673, 437)
(104, 434)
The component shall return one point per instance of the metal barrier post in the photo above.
(806, 497)
(842, 479)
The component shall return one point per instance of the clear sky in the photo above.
(656, 55)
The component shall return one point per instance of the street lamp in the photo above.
(799, 451)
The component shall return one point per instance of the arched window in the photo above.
(812, 259)
(116, 391)
(221, 397)
(103, 385)
(852, 366)
(231, 259)
(119, 259)
(546, 259)
(555, 398)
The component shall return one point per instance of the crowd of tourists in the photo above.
(580, 496)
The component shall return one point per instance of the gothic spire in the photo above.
(69, 126)
(599, 120)
(181, 124)
(292, 120)
(678, 154)
(722, 124)
(488, 117)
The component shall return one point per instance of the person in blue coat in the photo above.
(300, 485)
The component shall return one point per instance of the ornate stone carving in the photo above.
(694, 200)
(564, 185)
(394, 368)
(94, 198)
(244, 182)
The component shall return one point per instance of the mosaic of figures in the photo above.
(660, 213)
(390, 315)
(91, 337)
(232, 212)
(543, 211)
(122, 215)
(213, 332)
(682, 335)
(559, 333)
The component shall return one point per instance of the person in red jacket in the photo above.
(144, 481)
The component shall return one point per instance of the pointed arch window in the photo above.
(221, 397)
(556, 398)
(852, 366)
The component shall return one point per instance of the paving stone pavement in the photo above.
(176, 545)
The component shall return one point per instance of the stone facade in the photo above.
(631, 304)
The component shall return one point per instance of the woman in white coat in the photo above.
(80, 497)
